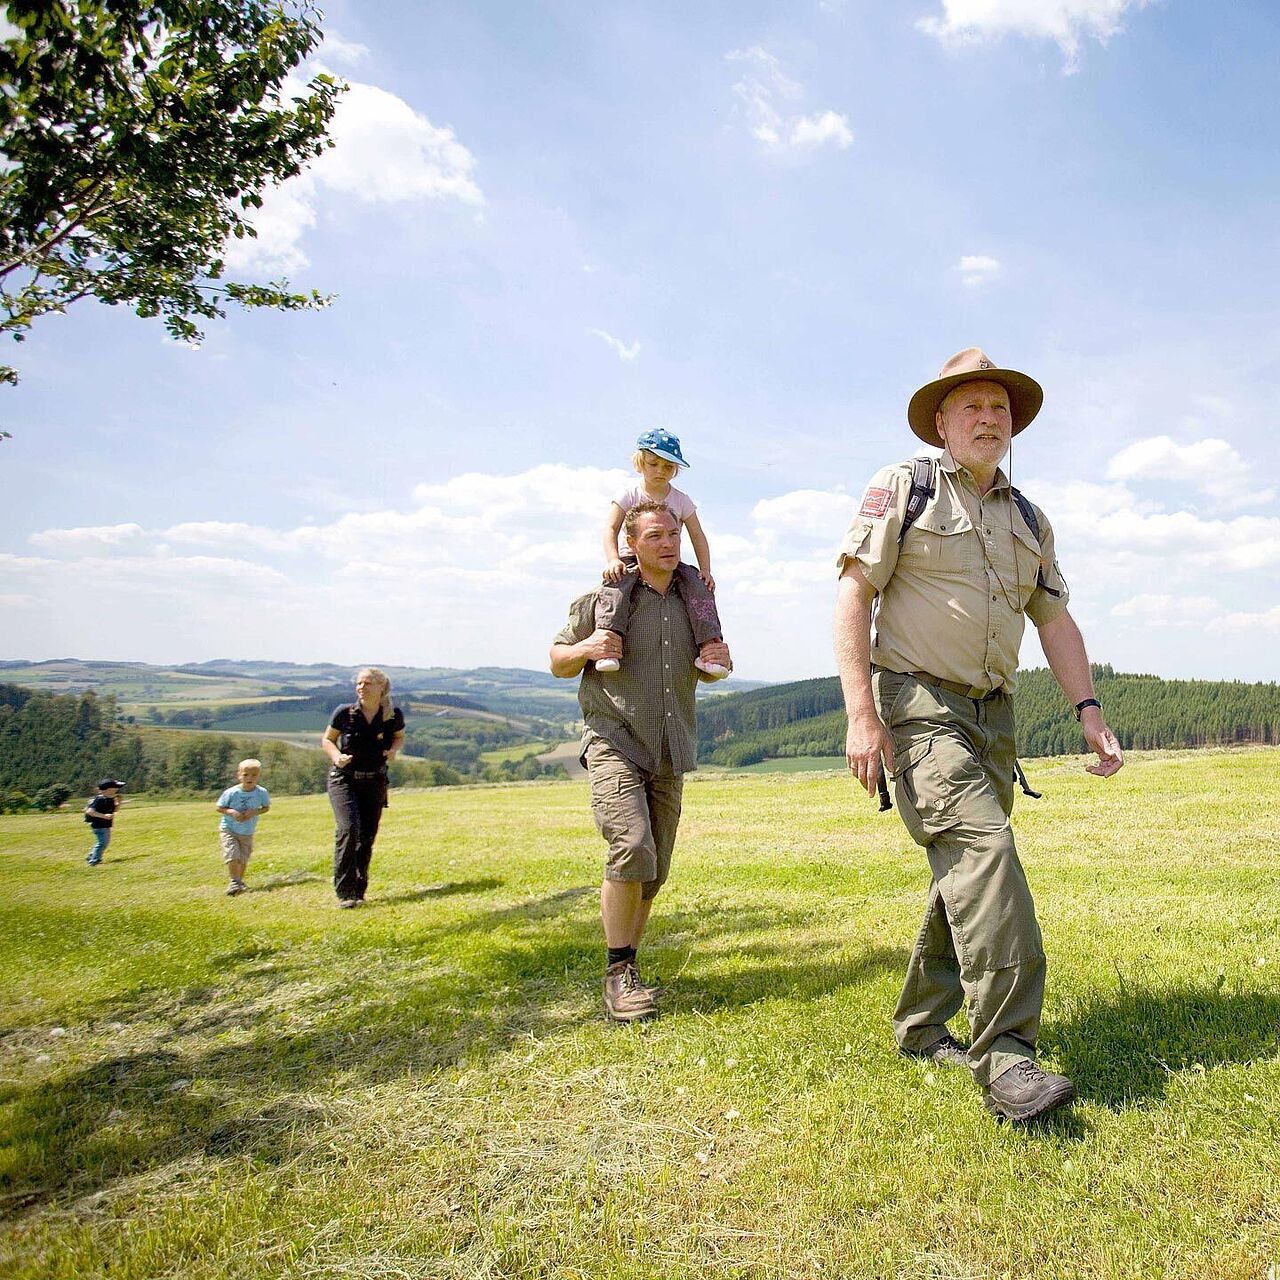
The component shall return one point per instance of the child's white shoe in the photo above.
(607, 664)
(713, 669)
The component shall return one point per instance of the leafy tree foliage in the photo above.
(135, 135)
(56, 745)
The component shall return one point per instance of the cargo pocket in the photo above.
(924, 794)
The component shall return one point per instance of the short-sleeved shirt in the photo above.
(102, 810)
(366, 742)
(954, 597)
(680, 504)
(646, 709)
(238, 798)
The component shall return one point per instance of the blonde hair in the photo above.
(249, 764)
(385, 681)
(637, 460)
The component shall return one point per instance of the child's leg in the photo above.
(245, 844)
(700, 604)
(101, 838)
(613, 611)
(232, 858)
(704, 618)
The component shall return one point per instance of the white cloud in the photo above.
(809, 513)
(1254, 625)
(459, 546)
(1180, 612)
(1213, 466)
(1066, 22)
(977, 269)
(812, 132)
(768, 94)
(384, 152)
(86, 540)
(624, 350)
(339, 50)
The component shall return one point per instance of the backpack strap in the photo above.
(1028, 512)
(1029, 515)
(922, 486)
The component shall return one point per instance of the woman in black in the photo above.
(362, 736)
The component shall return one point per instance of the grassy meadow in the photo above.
(198, 1086)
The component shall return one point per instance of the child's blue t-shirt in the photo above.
(237, 798)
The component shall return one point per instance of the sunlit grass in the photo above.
(264, 1086)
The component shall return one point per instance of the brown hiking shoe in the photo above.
(625, 999)
(652, 988)
(1025, 1092)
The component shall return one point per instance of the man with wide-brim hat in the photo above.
(949, 559)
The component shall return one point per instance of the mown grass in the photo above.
(264, 1086)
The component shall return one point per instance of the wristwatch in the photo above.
(1087, 702)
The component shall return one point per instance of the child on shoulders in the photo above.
(657, 460)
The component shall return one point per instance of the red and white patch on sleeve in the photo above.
(875, 503)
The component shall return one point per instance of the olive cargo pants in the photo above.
(953, 781)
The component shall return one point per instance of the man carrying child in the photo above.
(638, 742)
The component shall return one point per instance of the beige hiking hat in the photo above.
(973, 365)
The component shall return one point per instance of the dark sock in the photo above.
(618, 954)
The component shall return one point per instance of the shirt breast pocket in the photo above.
(1027, 551)
(941, 543)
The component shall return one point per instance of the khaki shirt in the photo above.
(952, 598)
(645, 710)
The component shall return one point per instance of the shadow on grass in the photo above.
(285, 881)
(1122, 1049)
(262, 1065)
(446, 890)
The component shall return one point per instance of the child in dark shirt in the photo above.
(100, 814)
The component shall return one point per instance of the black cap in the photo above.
(110, 782)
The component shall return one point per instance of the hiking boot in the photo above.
(652, 988)
(236, 886)
(946, 1050)
(1025, 1092)
(345, 904)
(624, 998)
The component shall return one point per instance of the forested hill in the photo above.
(807, 718)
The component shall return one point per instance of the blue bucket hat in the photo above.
(664, 444)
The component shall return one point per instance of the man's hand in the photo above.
(1101, 741)
(614, 571)
(864, 745)
(601, 643)
(716, 651)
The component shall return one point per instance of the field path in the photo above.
(566, 755)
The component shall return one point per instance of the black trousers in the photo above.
(357, 810)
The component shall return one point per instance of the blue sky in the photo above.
(550, 227)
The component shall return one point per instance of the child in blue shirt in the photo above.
(241, 806)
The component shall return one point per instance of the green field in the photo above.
(516, 753)
(198, 1086)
